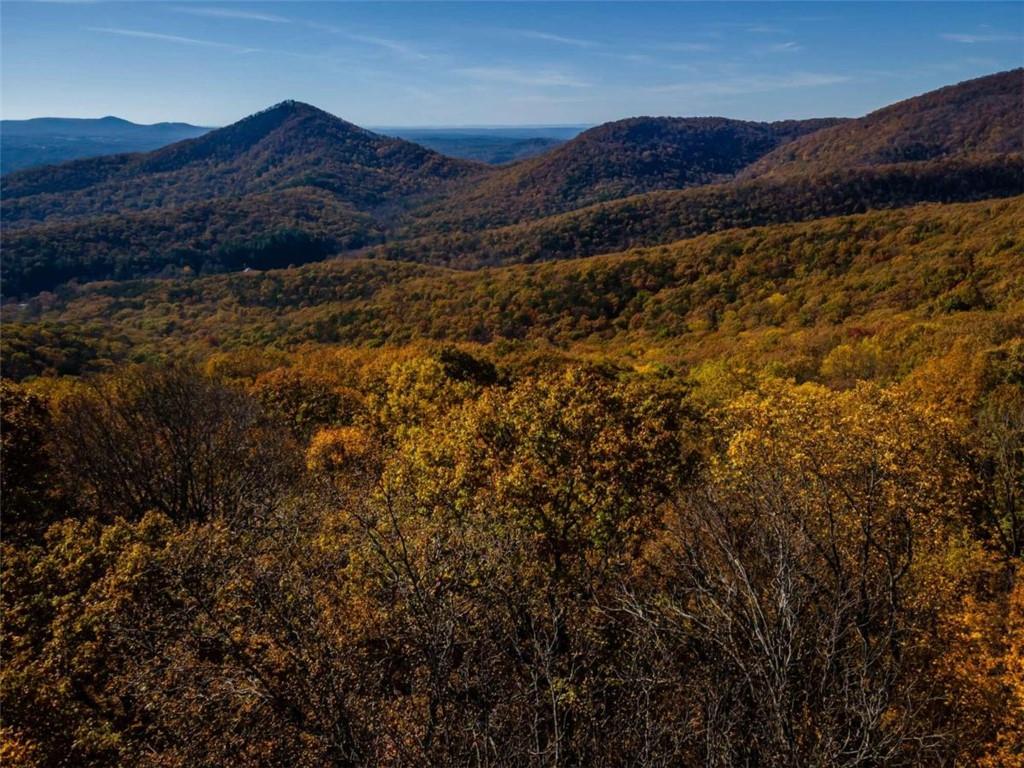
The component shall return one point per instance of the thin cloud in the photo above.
(635, 58)
(394, 46)
(172, 39)
(545, 78)
(754, 29)
(754, 84)
(970, 39)
(230, 13)
(552, 38)
(687, 47)
(789, 47)
(384, 43)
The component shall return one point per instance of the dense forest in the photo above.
(427, 558)
(888, 278)
(194, 237)
(726, 469)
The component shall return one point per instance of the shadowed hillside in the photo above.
(288, 145)
(696, 296)
(611, 161)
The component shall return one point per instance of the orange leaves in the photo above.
(337, 448)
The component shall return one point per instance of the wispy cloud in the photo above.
(753, 84)
(403, 49)
(718, 28)
(687, 47)
(548, 78)
(971, 39)
(232, 13)
(172, 39)
(635, 58)
(764, 29)
(553, 38)
(394, 46)
(788, 47)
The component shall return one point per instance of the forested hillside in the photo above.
(274, 553)
(227, 233)
(611, 161)
(661, 217)
(767, 291)
(288, 145)
(310, 458)
(977, 117)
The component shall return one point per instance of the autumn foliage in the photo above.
(420, 558)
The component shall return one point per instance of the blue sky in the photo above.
(491, 63)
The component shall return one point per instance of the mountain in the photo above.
(47, 140)
(289, 145)
(303, 224)
(274, 229)
(615, 160)
(976, 117)
(493, 150)
(293, 184)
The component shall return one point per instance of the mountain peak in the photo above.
(292, 107)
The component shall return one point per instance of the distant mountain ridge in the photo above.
(495, 145)
(84, 126)
(48, 140)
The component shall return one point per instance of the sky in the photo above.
(489, 63)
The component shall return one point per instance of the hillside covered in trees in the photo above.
(977, 117)
(288, 145)
(309, 180)
(714, 457)
(615, 160)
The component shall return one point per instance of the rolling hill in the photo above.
(611, 161)
(664, 216)
(293, 184)
(493, 145)
(792, 291)
(977, 117)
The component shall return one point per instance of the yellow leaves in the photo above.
(848, 364)
(337, 448)
(950, 386)
(16, 751)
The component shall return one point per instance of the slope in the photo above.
(792, 293)
(975, 117)
(289, 145)
(611, 161)
(665, 216)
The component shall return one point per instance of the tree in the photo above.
(171, 440)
